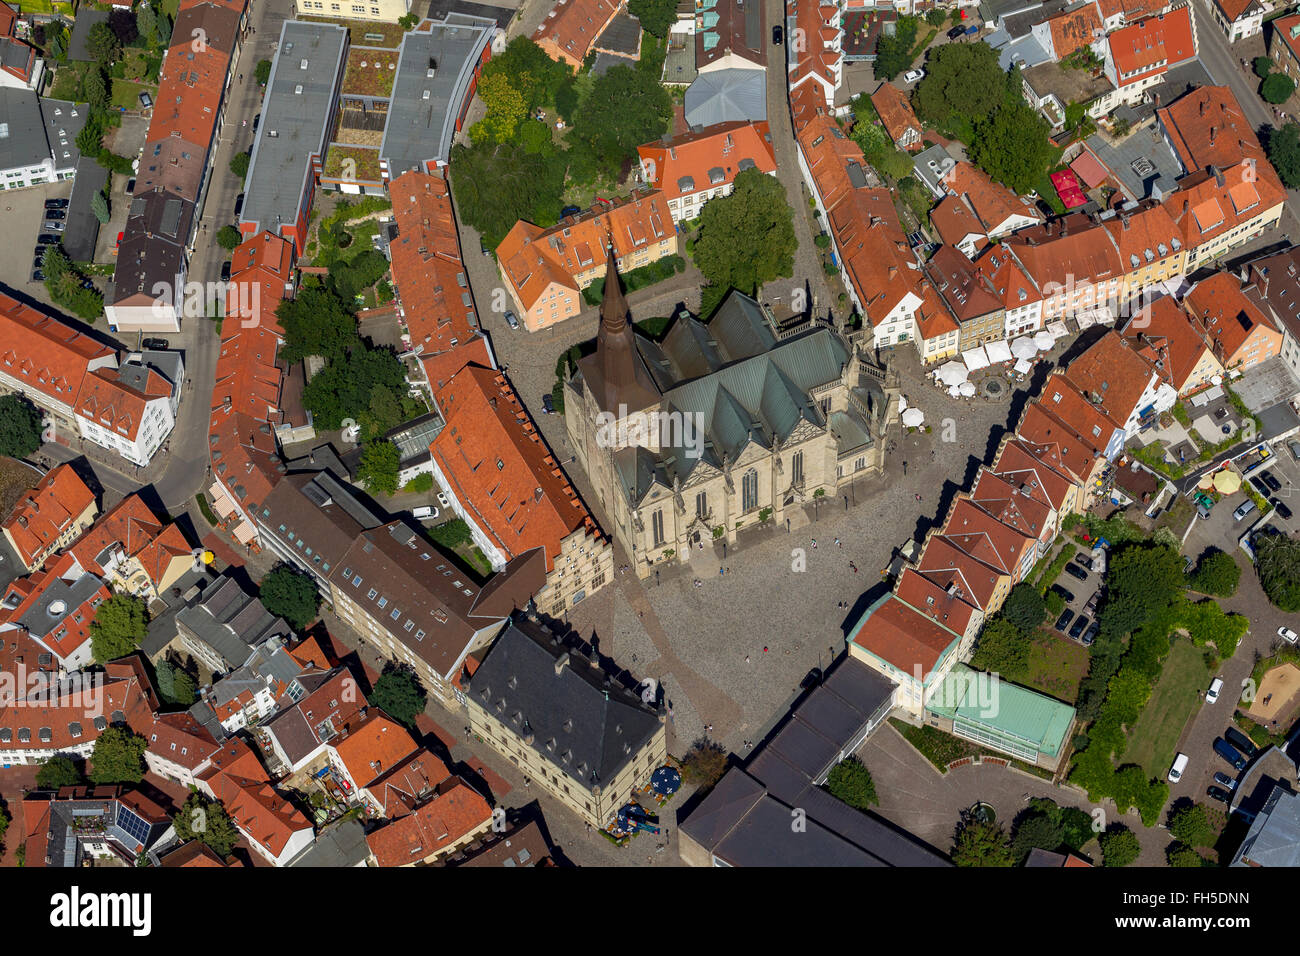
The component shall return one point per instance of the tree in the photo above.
(1013, 146)
(420, 484)
(207, 821)
(1119, 846)
(1217, 574)
(851, 782)
(704, 764)
(175, 686)
(1263, 66)
(103, 46)
(1277, 562)
(408, 21)
(229, 237)
(1036, 829)
(506, 108)
(981, 843)
(1191, 825)
(118, 756)
(118, 628)
(262, 71)
(496, 185)
(656, 16)
(90, 139)
(894, 51)
(530, 71)
(1002, 647)
(399, 694)
(747, 238)
(1182, 855)
(1025, 608)
(380, 462)
(99, 206)
(58, 771)
(146, 21)
(962, 80)
(626, 107)
(936, 18)
(239, 165)
(1054, 601)
(20, 426)
(94, 87)
(1277, 88)
(291, 594)
(122, 23)
(1284, 153)
(315, 322)
(1141, 581)
(164, 29)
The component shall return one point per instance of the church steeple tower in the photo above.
(617, 374)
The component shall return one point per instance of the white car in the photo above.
(1212, 695)
(911, 76)
(1287, 634)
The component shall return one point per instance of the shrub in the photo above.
(1119, 846)
(851, 782)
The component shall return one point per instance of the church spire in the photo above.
(616, 374)
(613, 305)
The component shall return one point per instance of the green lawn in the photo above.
(1173, 701)
(171, 7)
(127, 94)
(67, 81)
(1056, 665)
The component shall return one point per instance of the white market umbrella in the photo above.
(1023, 366)
(1024, 347)
(913, 417)
(1044, 340)
(975, 358)
(955, 390)
(998, 351)
(966, 389)
(953, 373)
(902, 404)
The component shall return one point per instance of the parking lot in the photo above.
(23, 212)
(1285, 471)
(1080, 593)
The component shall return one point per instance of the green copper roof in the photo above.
(1006, 709)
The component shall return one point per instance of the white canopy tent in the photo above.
(975, 358)
(998, 351)
(1024, 347)
(952, 373)
(1057, 329)
(1044, 340)
(913, 417)
(1023, 366)
(966, 389)
(902, 404)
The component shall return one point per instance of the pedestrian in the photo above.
(814, 541)
(837, 543)
(764, 648)
(746, 658)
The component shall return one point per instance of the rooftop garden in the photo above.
(352, 163)
(370, 72)
(366, 32)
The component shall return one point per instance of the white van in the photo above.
(426, 513)
(1176, 771)
(1212, 695)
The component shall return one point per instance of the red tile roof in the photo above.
(73, 629)
(125, 691)
(571, 27)
(372, 746)
(454, 812)
(975, 578)
(1003, 497)
(501, 469)
(904, 637)
(1112, 376)
(45, 512)
(1207, 127)
(401, 787)
(954, 221)
(116, 406)
(131, 529)
(43, 354)
(1165, 337)
(1150, 47)
(1039, 426)
(1037, 470)
(238, 780)
(992, 202)
(180, 739)
(1073, 30)
(261, 277)
(896, 112)
(983, 536)
(939, 596)
(1225, 315)
(696, 155)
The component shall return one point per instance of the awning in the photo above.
(221, 504)
(913, 417)
(998, 351)
(245, 532)
(975, 358)
(1044, 340)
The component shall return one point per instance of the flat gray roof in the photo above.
(63, 122)
(301, 96)
(433, 76)
(22, 129)
(1137, 161)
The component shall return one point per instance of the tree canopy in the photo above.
(506, 109)
(289, 593)
(1024, 607)
(1013, 146)
(747, 238)
(1277, 562)
(851, 782)
(20, 426)
(1142, 580)
(626, 107)
(1284, 153)
(656, 16)
(379, 466)
(528, 68)
(961, 80)
(58, 771)
(496, 185)
(1217, 574)
(981, 844)
(1190, 824)
(118, 756)
(1119, 846)
(207, 821)
(399, 694)
(894, 51)
(118, 628)
(102, 44)
(1277, 88)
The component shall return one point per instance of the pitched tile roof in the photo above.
(1071, 250)
(261, 277)
(960, 285)
(902, 636)
(976, 579)
(939, 596)
(371, 746)
(1225, 314)
(1164, 335)
(1039, 426)
(573, 25)
(1207, 127)
(895, 111)
(55, 606)
(48, 357)
(1144, 236)
(983, 536)
(1003, 497)
(954, 221)
(992, 203)
(116, 406)
(453, 812)
(1037, 469)
(1112, 376)
(41, 516)
(1151, 46)
(127, 697)
(1007, 280)
(501, 468)
(1073, 30)
(708, 158)
(402, 786)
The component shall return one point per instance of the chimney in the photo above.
(561, 663)
(1201, 110)
(1213, 130)
(893, 272)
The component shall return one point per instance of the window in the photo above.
(796, 468)
(701, 504)
(749, 491)
(657, 527)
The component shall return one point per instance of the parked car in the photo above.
(56, 204)
(1295, 449)
(511, 320)
(38, 262)
(1244, 509)
(1241, 742)
(1218, 793)
(225, 271)
(1074, 571)
(1225, 751)
(1226, 782)
(1093, 601)
(1064, 620)
(1212, 694)
(1084, 560)
(1203, 509)
(955, 32)
(425, 513)
(53, 226)
(1090, 635)
(38, 275)
(1258, 482)
(55, 214)
(570, 211)
(1282, 510)
(1080, 624)
(239, 205)
(39, 250)
(1286, 634)
(154, 344)
(1179, 765)
(49, 239)
(130, 186)
(483, 248)
(1270, 479)
(548, 404)
(913, 76)
(777, 35)
(1064, 592)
